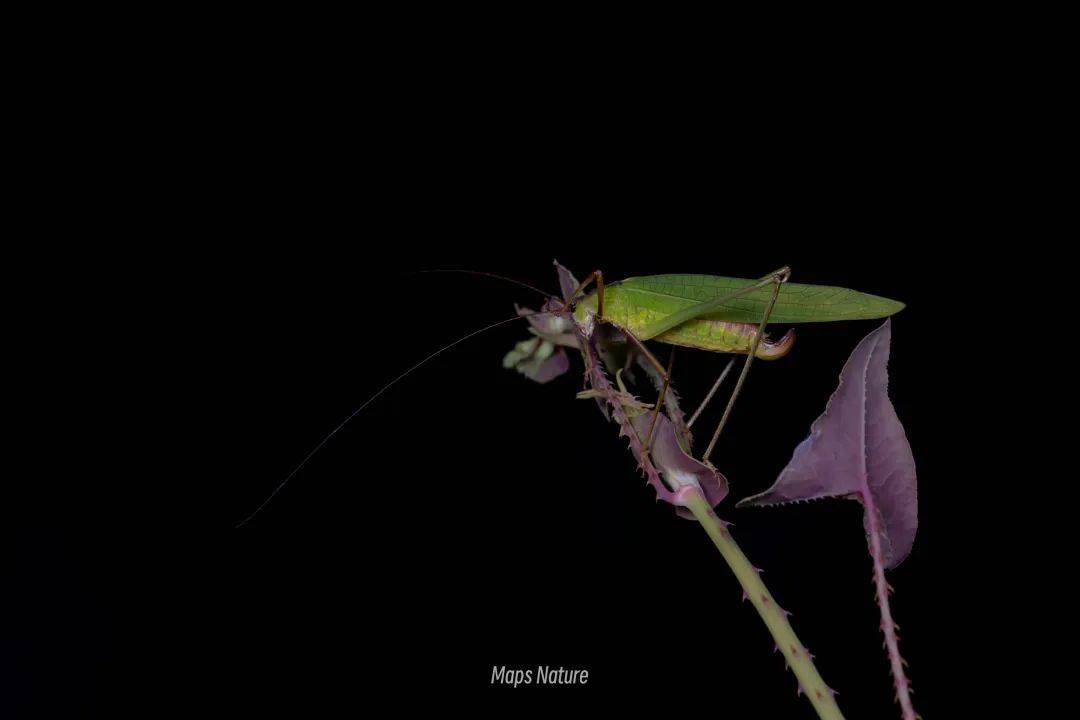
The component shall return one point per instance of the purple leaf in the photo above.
(567, 282)
(538, 360)
(677, 468)
(556, 329)
(858, 449)
(546, 370)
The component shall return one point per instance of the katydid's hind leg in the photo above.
(712, 391)
(779, 278)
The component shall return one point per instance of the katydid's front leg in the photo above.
(594, 275)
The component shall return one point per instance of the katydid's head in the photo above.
(585, 308)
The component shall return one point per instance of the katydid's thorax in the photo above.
(632, 311)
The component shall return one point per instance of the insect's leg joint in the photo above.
(575, 297)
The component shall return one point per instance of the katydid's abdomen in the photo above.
(636, 303)
(622, 310)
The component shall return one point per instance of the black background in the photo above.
(250, 282)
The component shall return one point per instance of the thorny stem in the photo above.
(775, 617)
(888, 627)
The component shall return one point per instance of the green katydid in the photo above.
(716, 314)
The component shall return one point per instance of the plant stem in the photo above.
(775, 617)
(888, 627)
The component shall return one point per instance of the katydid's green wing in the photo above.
(797, 303)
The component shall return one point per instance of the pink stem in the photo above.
(888, 627)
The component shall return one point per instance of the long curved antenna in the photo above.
(490, 275)
(367, 402)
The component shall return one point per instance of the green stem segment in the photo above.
(798, 659)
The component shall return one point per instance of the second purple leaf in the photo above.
(858, 449)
